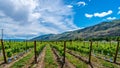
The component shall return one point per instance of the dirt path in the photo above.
(30, 63)
(8, 65)
(41, 61)
(1, 60)
(100, 58)
(92, 65)
(55, 59)
(58, 59)
(68, 64)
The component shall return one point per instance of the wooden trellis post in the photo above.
(89, 61)
(3, 48)
(56, 42)
(84, 42)
(117, 49)
(26, 45)
(110, 43)
(97, 43)
(35, 52)
(41, 42)
(70, 42)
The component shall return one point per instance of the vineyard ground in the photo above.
(56, 55)
(67, 63)
(96, 62)
(10, 64)
(55, 58)
(41, 63)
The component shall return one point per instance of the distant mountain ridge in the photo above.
(104, 29)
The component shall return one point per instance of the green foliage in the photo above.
(14, 47)
(39, 47)
(106, 38)
(78, 46)
(49, 59)
(105, 47)
(9, 54)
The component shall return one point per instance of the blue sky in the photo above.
(91, 7)
(30, 18)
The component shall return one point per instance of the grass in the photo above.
(1, 58)
(76, 62)
(49, 59)
(23, 61)
(100, 62)
(108, 64)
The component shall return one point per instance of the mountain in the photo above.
(104, 29)
(44, 37)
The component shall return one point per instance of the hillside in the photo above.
(104, 29)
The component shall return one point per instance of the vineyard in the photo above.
(59, 54)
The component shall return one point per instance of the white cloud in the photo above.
(69, 6)
(21, 18)
(119, 8)
(118, 12)
(111, 18)
(103, 14)
(81, 3)
(88, 15)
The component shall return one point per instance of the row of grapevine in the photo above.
(15, 49)
(109, 51)
(25, 61)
